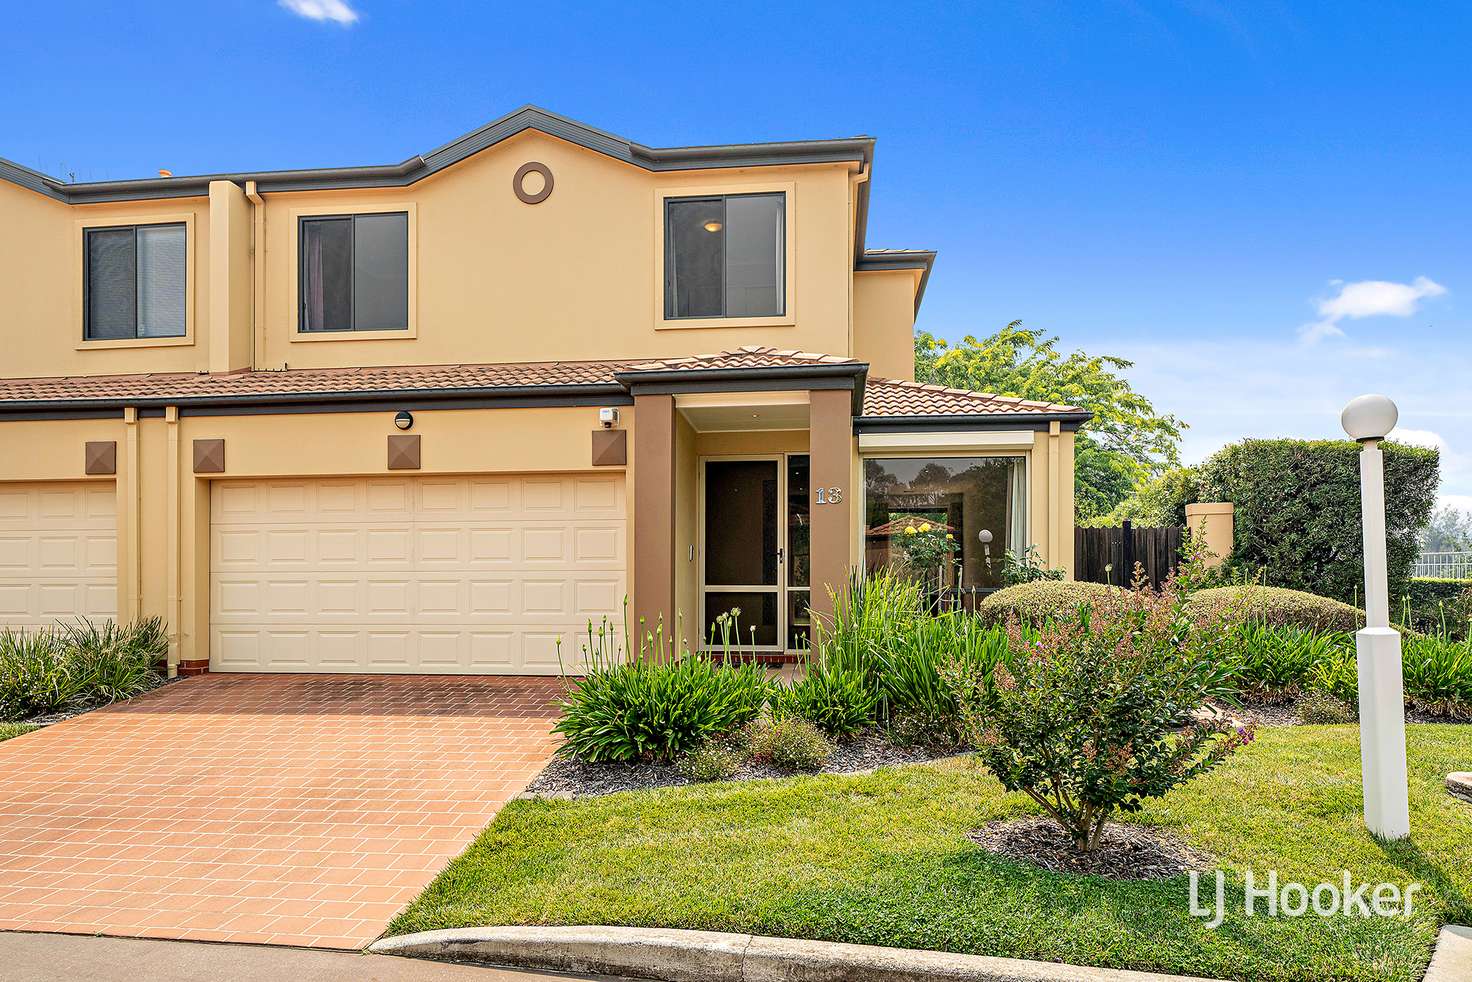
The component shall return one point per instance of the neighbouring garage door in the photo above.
(479, 575)
(58, 553)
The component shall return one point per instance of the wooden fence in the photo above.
(1109, 555)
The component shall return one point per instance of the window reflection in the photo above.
(925, 515)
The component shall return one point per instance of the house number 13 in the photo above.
(830, 496)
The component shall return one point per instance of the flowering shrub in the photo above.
(926, 546)
(1091, 716)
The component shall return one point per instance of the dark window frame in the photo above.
(725, 227)
(87, 231)
(301, 272)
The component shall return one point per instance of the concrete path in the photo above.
(262, 809)
(66, 958)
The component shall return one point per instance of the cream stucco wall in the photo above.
(41, 287)
(163, 508)
(884, 321)
(572, 277)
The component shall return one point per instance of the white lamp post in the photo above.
(1382, 704)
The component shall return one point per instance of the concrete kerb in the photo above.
(710, 956)
(1452, 959)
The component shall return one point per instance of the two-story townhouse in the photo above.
(436, 416)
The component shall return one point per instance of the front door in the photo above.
(754, 552)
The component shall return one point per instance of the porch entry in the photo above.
(755, 551)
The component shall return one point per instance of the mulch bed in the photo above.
(71, 712)
(568, 778)
(1125, 852)
(1286, 713)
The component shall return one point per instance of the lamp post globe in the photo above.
(1369, 417)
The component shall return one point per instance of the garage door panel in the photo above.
(444, 575)
(58, 553)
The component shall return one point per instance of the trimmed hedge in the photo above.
(1036, 602)
(1433, 604)
(1297, 502)
(1275, 607)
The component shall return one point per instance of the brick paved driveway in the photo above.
(279, 809)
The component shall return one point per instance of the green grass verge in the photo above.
(8, 730)
(884, 859)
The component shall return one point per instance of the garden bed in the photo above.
(568, 778)
(886, 859)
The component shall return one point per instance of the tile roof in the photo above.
(750, 356)
(308, 381)
(882, 397)
(893, 397)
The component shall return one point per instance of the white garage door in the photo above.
(58, 553)
(478, 575)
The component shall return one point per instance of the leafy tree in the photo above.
(1449, 530)
(1126, 443)
(1157, 503)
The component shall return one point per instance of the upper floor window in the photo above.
(355, 272)
(135, 282)
(724, 256)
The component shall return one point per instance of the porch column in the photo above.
(830, 443)
(654, 516)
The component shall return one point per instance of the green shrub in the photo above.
(1092, 716)
(1026, 567)
(867, 613)
(1319, 708)
(911, 677)
(1275, 663)
(1338, 675)
(1438, 606)
(78, 665)
(117, 662)
(713, 760)
(1040, 601)
(786, 744)
(1157, 503)
(1437, 670)
(657, 705)
(1297, 510)
(840, 701)
(38, 674)
(655, 710)
(1273, 606)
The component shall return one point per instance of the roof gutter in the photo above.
(977, 421)
(596, 391)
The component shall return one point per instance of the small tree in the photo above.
(1094, 714)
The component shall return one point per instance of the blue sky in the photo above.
(1264, 205)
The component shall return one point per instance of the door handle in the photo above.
(779, 555)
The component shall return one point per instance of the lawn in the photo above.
(884, 859)
(8, 730)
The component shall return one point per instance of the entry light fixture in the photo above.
(404, 419)
(712, 226)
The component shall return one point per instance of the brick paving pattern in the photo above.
(275, 809)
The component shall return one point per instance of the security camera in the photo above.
(608, 417)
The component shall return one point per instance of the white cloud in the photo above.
(1318, 331)
(337, 11)
(1418, 438)
(1367, 298)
